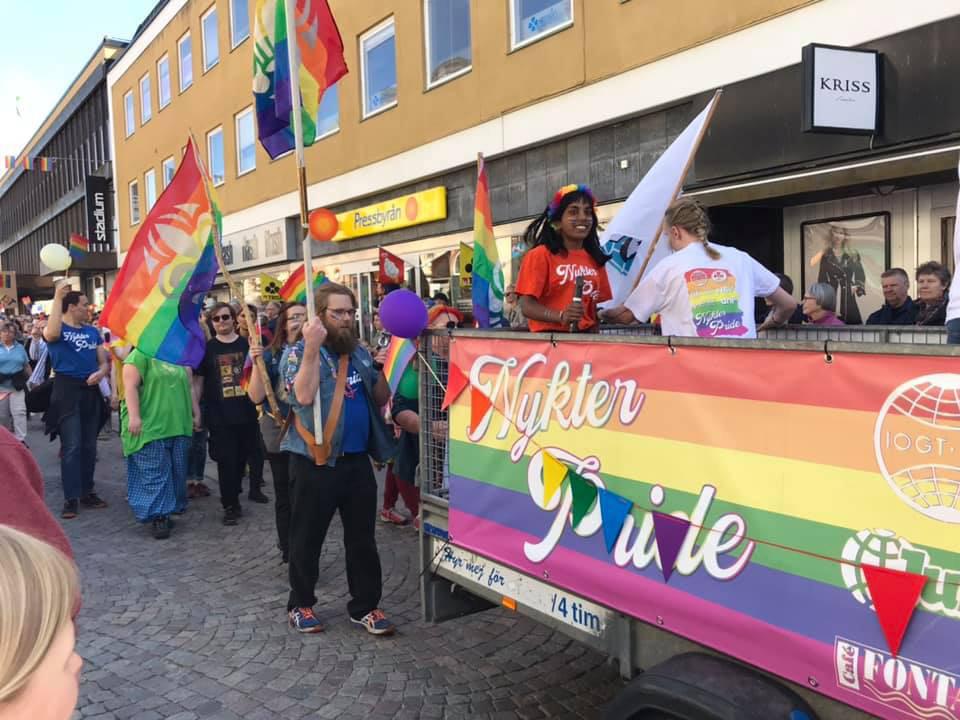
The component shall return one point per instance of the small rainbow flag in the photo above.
(10, 161)
(295, 288)
(246, 373)
(487, 292)
(26, 162)
(399, 354)
(43, 164)
(79, 246)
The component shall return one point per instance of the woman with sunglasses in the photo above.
(230, 416)
(287, 335)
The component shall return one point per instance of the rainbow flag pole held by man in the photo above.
(156, 301)
(295, 288)
(487, 271)
(321, 65)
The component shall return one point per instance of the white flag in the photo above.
(628, 236)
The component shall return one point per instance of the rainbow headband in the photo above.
(553, 208)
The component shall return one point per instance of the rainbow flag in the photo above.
(295, 288)
(10, 161)
(43, 164)
(399, 354)
(26, 162)
(79, 246)
(321, 65)
(156, 301)
(246, 373)
(487, 271)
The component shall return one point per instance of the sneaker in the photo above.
(389, 515)
(256, 495)
(161, 528)
(70, 509)
(230, 516)
(303, 620)
(202, 490)
(375, 623)
(92, 500)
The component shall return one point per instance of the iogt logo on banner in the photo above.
(899, 682)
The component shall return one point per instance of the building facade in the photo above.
(71, 195)
(551, 92)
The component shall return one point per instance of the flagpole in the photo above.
(683, 176)
(294, 60)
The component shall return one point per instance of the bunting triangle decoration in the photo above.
(584, 496)
(554, 473)
(479, 406)
(669, 532)
(613, 512)
(456, 383)
(894, 594)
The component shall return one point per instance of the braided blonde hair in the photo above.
(687, 213)
(38, 594)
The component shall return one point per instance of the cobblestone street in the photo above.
(194, 627)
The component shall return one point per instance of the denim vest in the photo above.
(382, 445)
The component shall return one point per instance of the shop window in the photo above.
(328, 114)
(129, 121)
(378, 58)
(168, 168)
(532, 20)
(246, 142)
(146, 104)
(163, 82)
(449, 53)
(134, 191)
(211, 42)
(239, 22)
(215, 156)
(150, 188)
(185, 52)
(948, 226)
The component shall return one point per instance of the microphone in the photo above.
(577, 298)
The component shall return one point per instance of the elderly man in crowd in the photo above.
(898, 307)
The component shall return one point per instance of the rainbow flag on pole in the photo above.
(155, 303)
(79, 246)
(321, 65)
(487, 271)
(399, 354)
(295, 288)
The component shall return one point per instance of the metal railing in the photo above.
(435, 351)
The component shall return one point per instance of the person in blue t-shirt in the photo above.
(76, 410)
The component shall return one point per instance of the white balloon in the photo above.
(55, 257)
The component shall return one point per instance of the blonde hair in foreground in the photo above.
(687, 213)
(39, 588)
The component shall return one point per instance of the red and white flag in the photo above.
(391, 268)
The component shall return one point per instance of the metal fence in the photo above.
(435, 353)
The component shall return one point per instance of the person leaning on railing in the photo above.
(702, 289)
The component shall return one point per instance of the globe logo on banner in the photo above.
(917, 443)
(869, 547)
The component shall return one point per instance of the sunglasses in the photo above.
(222, 318)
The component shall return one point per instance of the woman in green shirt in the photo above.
(157, 419)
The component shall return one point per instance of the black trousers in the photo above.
(280, 469)
(255, 462)
(230, 447)
(316, 493)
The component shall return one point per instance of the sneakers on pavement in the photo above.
(375, 623)
(389, 515)
(303, 620)
(231, 515)
(161, 528)
(256, 495)
(70, 509)
(92, 500)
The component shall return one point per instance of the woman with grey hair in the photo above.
(820, 305)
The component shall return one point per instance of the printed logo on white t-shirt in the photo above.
(715, 302)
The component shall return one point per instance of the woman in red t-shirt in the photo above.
(565, 246)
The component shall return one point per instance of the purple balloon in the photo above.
(403, 314)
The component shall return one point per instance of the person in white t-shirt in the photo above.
(703, 290)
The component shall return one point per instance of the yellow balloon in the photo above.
(56, 257)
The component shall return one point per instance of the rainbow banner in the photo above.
(79, 246)
(321, 65)
(156, 301)
(399, 354)
(487, 288)
(295, 288)
(769, 492)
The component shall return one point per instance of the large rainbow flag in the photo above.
(321, 65)
(295, 288)
(784, 491)
(487, 271)
(156, 301)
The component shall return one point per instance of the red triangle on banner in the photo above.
(479, 406)
(895, 594)
(456, 383)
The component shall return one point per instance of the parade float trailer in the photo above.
(750, 529)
